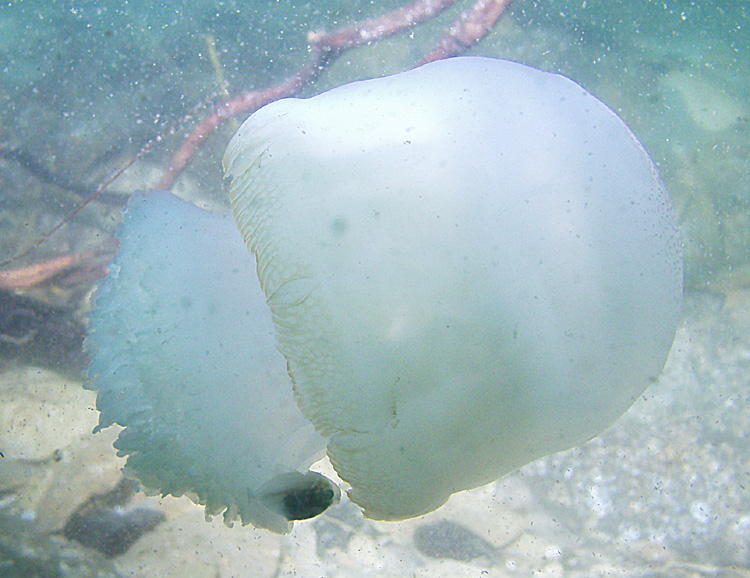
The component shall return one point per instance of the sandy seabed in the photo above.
(663, 492)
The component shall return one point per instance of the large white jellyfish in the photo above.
(464, 267)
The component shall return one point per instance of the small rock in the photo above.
(447, 539)
(105, 523)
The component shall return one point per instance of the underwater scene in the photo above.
(342, 288)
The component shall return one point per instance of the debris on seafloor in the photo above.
(34, 332)
(108, 524)
(25, 551)
(449, 539)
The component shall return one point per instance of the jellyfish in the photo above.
(433, 278)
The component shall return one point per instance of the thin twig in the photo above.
(324, 48)
(94, 262)
(472, 26)
(468, 29)
(114, 176)
(27, 161)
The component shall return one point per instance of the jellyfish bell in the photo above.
(458, 269)
(470, 265)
